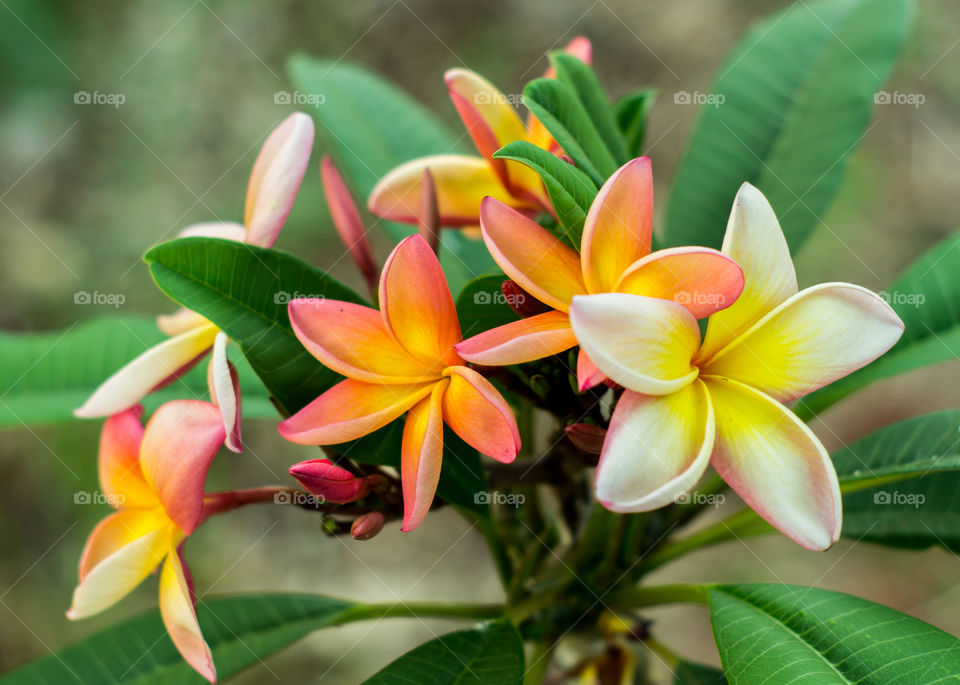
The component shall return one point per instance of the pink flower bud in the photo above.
(520, 301)
(367, 525)
(428, 223)
(346, 219)
(334, 484)
(587, 437)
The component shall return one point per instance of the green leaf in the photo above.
(797, 96)
(245, 290)
(241, 631)
(581, 78)
(482, 306)
(926, 298)
(690, 673)
(772, 634)
(914, 513)
(370, 127)
(632, 112)
(571, 191)
(490, 654)
(556, 106)
(45, 376)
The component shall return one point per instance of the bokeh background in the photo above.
(86, 189)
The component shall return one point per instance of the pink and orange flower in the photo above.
(721, 402)
(397, 360)
(614, 256)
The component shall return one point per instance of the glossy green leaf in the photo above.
(241, 631)
(916, 499)
(245, 290)
(490, 654)
(582, 79)
(482, 306)
(797, 94)
(690, 673)
(926, 298)
(45, 376)
(632, 112)
(571, 191)
(557, 107)
(780, 634)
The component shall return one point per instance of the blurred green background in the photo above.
(85, 189)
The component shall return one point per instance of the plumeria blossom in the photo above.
(273, 186)
(154, 478)
(689, 404)
(400, 360)
(614, 257)
(462, 181)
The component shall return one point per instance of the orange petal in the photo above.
(416, 303)
(181, 321)
(476, 412)
(179, 443)
(117, 531)
(120, 475)
(180, 618)
(701, 279)
(461, 183)
(421, 456)
(224, 385)
(276, 178)
(350, 410)
(588, 375)
(531, 256)
(520, 341)
(619, 226)
(352, 340)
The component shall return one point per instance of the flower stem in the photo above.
(647, 596)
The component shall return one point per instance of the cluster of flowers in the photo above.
(685, 402)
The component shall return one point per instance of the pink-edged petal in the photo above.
(180, 617)
(118, 530)
(461, 182)
(701, 279)
(276, 178)
(492, 122)
(656, 449)
(179, 443)
(225, 391)
(642, 343)
(346, 219)
(416, 303)
(476, 412)
(817, 336)
(755, 242)
(225, 230)
(121, 478)
(520, 341)
(530, 255)
(350, 410)
(588, 375)
(353, 340)
(775, 463)
(181, 321)
(150, 370)
(116, 574)
(619, 226)
(421, 456)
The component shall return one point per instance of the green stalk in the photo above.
(364, 612)
(539, 661)
(638, 597)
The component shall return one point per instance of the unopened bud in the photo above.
(334, 484)
(587, 437)
(428, 222)
(367, 525)
(520, 301)
(346, 219)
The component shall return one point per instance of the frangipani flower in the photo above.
(688, 404)
(396, 360)
(155, 480)
(462, 181)
(274, 183)
(614, 257)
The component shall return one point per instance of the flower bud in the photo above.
(428, 222)
(520, 301)
(587, 437)
(336, 485)
(367, 525)
(346, 219)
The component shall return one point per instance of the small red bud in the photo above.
(520, 301)
(587, 437)
(367, 525)
(334, 484)
(428, 222)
